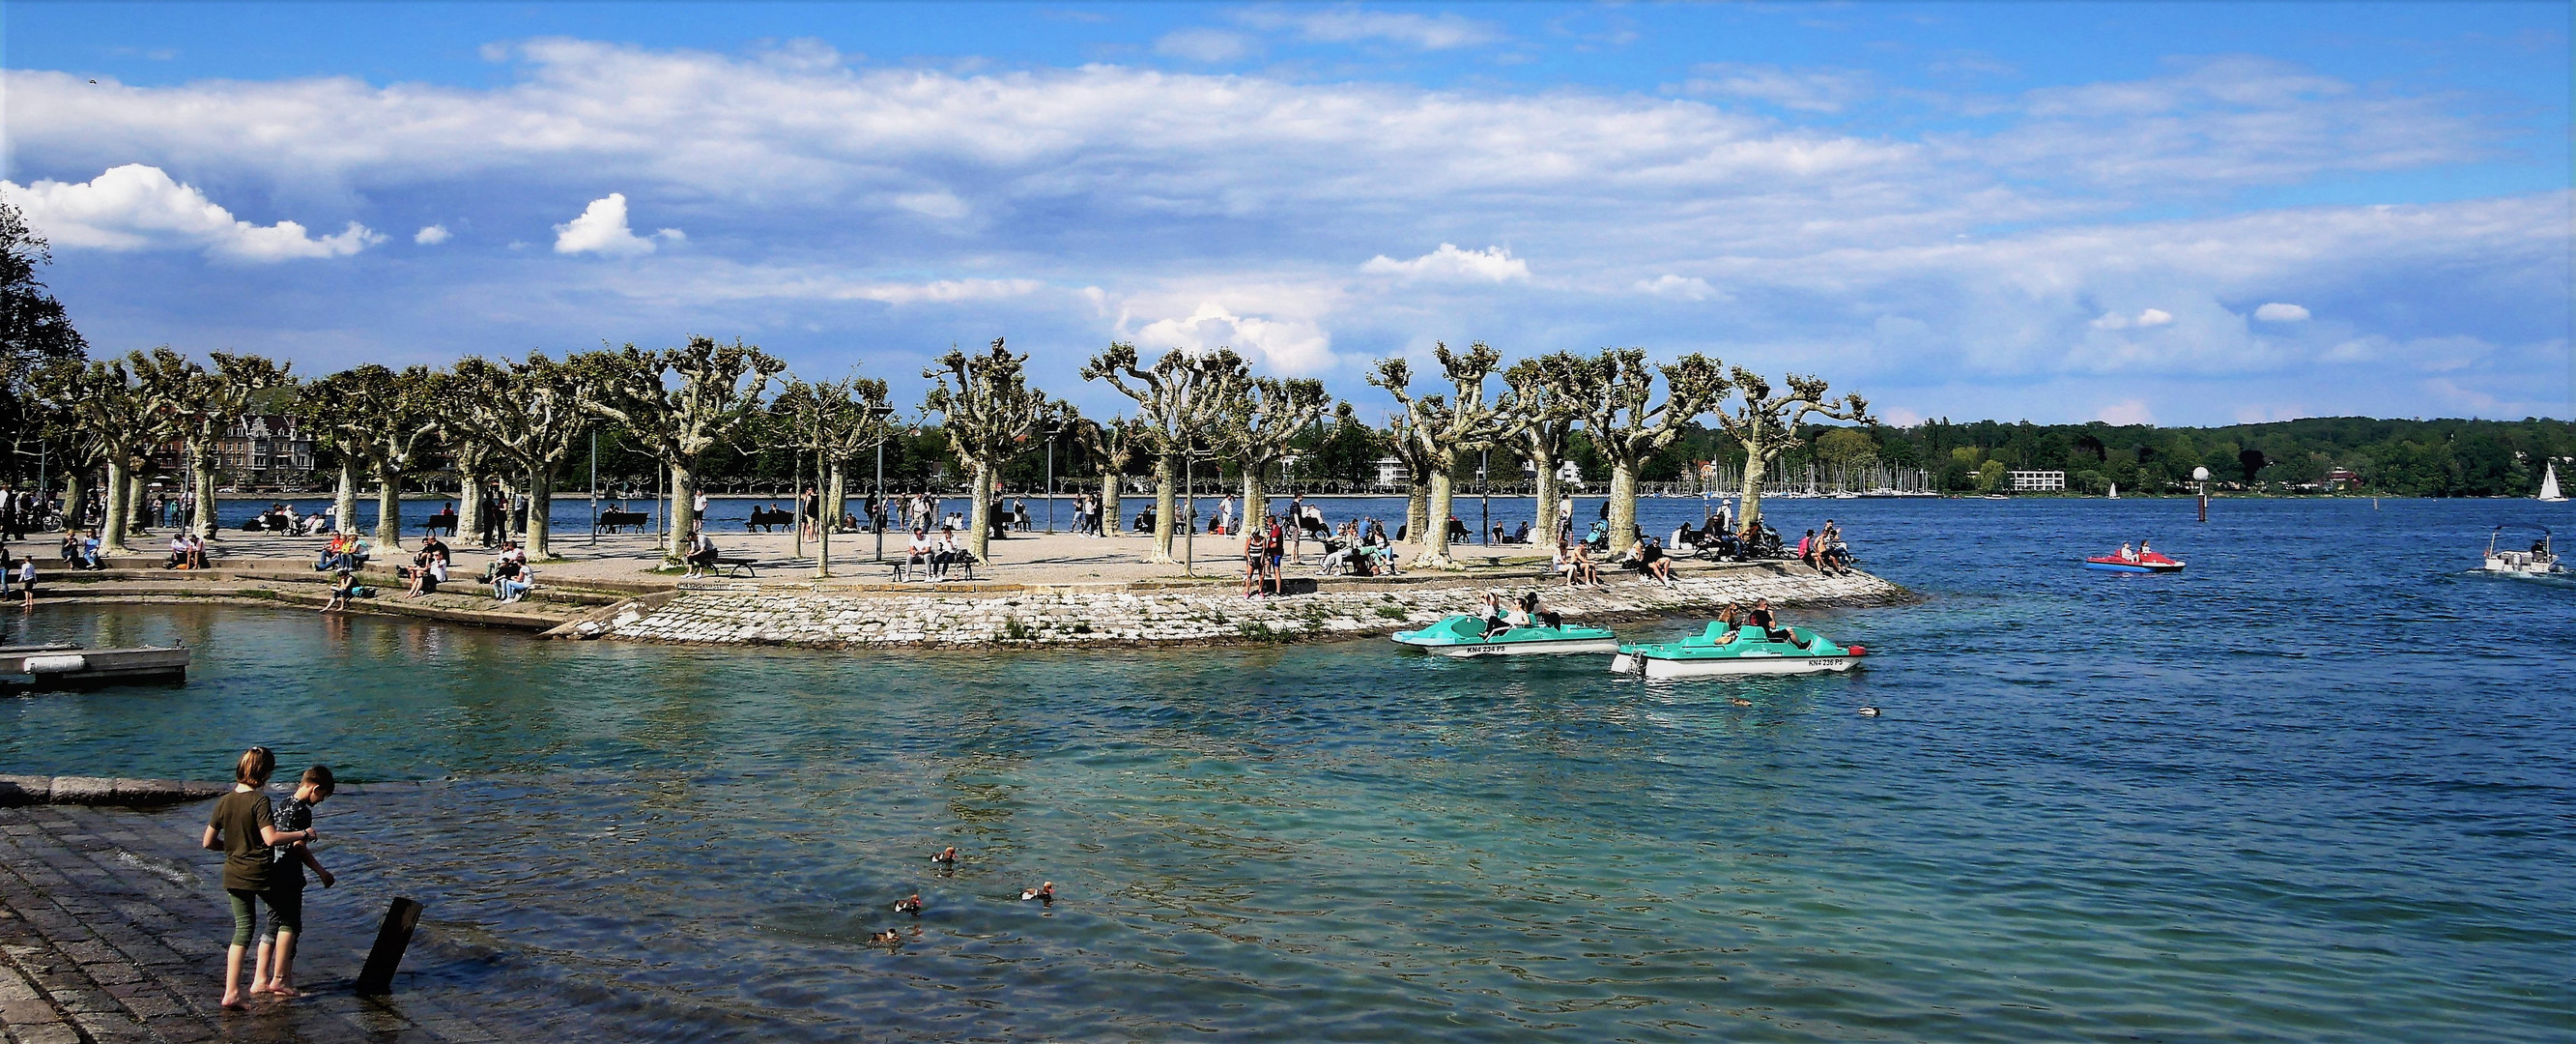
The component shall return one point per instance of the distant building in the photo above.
(1569, 474)
(2038, 481)
(1392, 472)
(2342, 479)
(263, 447)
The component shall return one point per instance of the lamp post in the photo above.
(1053, 427)
(879, 414)
(2201, 476)
(1189, 513)
(1485, 495)
(594, 487)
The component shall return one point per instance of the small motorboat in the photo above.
(1720, 652)
(1464, 635)
(2536, 561)
(2150, 562)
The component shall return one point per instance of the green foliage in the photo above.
(2430, 458)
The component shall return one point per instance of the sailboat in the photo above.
(2115, 491)
(2549, 485)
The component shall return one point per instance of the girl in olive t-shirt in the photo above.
(243, 829)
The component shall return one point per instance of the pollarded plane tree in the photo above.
(836, 421)
(1628, 426)
(1110, 446)
(53, 405)
(120, 417)
(1175, 402)
(199, 405)
(532, 413)
(987, 408)
(384, 417)
(1253, 428)
(479, 462)
(1541, 402)
(1403, 439)
(678, 403)
(1445, 428)
(1766, 424)
(324, 407)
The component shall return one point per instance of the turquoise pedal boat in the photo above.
(1465, 636)
(1711, 654)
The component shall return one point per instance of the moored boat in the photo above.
(1723, 652)
(1464, 635)
(60, 666)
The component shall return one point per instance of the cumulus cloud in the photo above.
(1669, 285)
(601, 229)
(2276, 312)
(432, 235)
(1450, 264)
(2154, 317)
(2126, 411)
(138, 207)
(1287, 346)
(1353, 25)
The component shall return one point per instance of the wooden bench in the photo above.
(766, 520)
(612, 520)
(731, 565)
(901, 568)
(445, 522)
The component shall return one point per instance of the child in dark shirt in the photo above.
(274, 973)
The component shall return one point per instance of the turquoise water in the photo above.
(2320, 787)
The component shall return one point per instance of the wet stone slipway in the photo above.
(112, 930)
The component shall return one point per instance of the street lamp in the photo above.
(878, 414)
(1484, 495)
(2201, 476)
(1054, 427)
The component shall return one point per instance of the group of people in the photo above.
(1737, 617)
(187, 551)
(267, 847)
(930, 557)
(281, 517)
(18, 572)
(1527, 611)
(23, 511)
(1824, 551)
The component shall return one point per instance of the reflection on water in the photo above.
(2250, 802)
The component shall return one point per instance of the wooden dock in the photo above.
(61, 666)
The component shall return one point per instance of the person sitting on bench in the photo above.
(918, 553)
(949, 552)
(702, 553)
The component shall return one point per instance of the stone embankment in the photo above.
(100, 790)
(1207, 613)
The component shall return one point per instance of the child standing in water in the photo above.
(244, 829)
(274, 971)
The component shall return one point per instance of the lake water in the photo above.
(2322, 786)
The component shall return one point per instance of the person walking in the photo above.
(244, 829)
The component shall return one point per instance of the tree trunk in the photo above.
(1255, 499)
(1544, 520)
(344, 500)
(1417, 509)
(1623, 508)
(541, 505)
(1166, 475)
(684, 499)
(1751, 492)
(388, 507)
(836, 496)
(75, 496)
(1109, 503)
(471, 502)
(980, 520)
(119, 486)
(138, 505)
(1434, 534)
(202, 490)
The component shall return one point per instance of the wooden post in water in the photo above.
(377, 978)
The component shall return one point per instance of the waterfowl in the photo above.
(887, 937)
(1045, 891)
(910, 905)
(945, 855)
(1869, 712)
(1739, 701)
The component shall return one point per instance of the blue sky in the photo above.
(2186, 213)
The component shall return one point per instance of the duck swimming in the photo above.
(910, 905)
(1044, 892)
(1869, 712)
(1739, 701)
(887, 937)
(945, 855)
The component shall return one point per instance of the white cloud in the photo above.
(2276, 312)
(1669, 285)
(1799, 90)
(941, 291)
(432, 235)
(601, 229)
(138, 207)
(2154, 317)
(1287, 346)
(1492, 264)
(941, 205)
(1204, 45)
(2126, 411)
(1353, 25)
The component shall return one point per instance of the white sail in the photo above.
(2549, 484)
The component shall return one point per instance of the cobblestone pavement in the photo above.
(113, 931)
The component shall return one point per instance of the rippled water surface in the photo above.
(2318, 787)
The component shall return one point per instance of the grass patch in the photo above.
(1257, 631)
(1015, 629)
(1392, 612)
(1082, 627)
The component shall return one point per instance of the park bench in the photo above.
(766, 520)
(901, 568)
(613, 520)
(442, 522)
(736, 565)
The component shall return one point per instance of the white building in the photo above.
(1392, 472)
(2038, 481)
